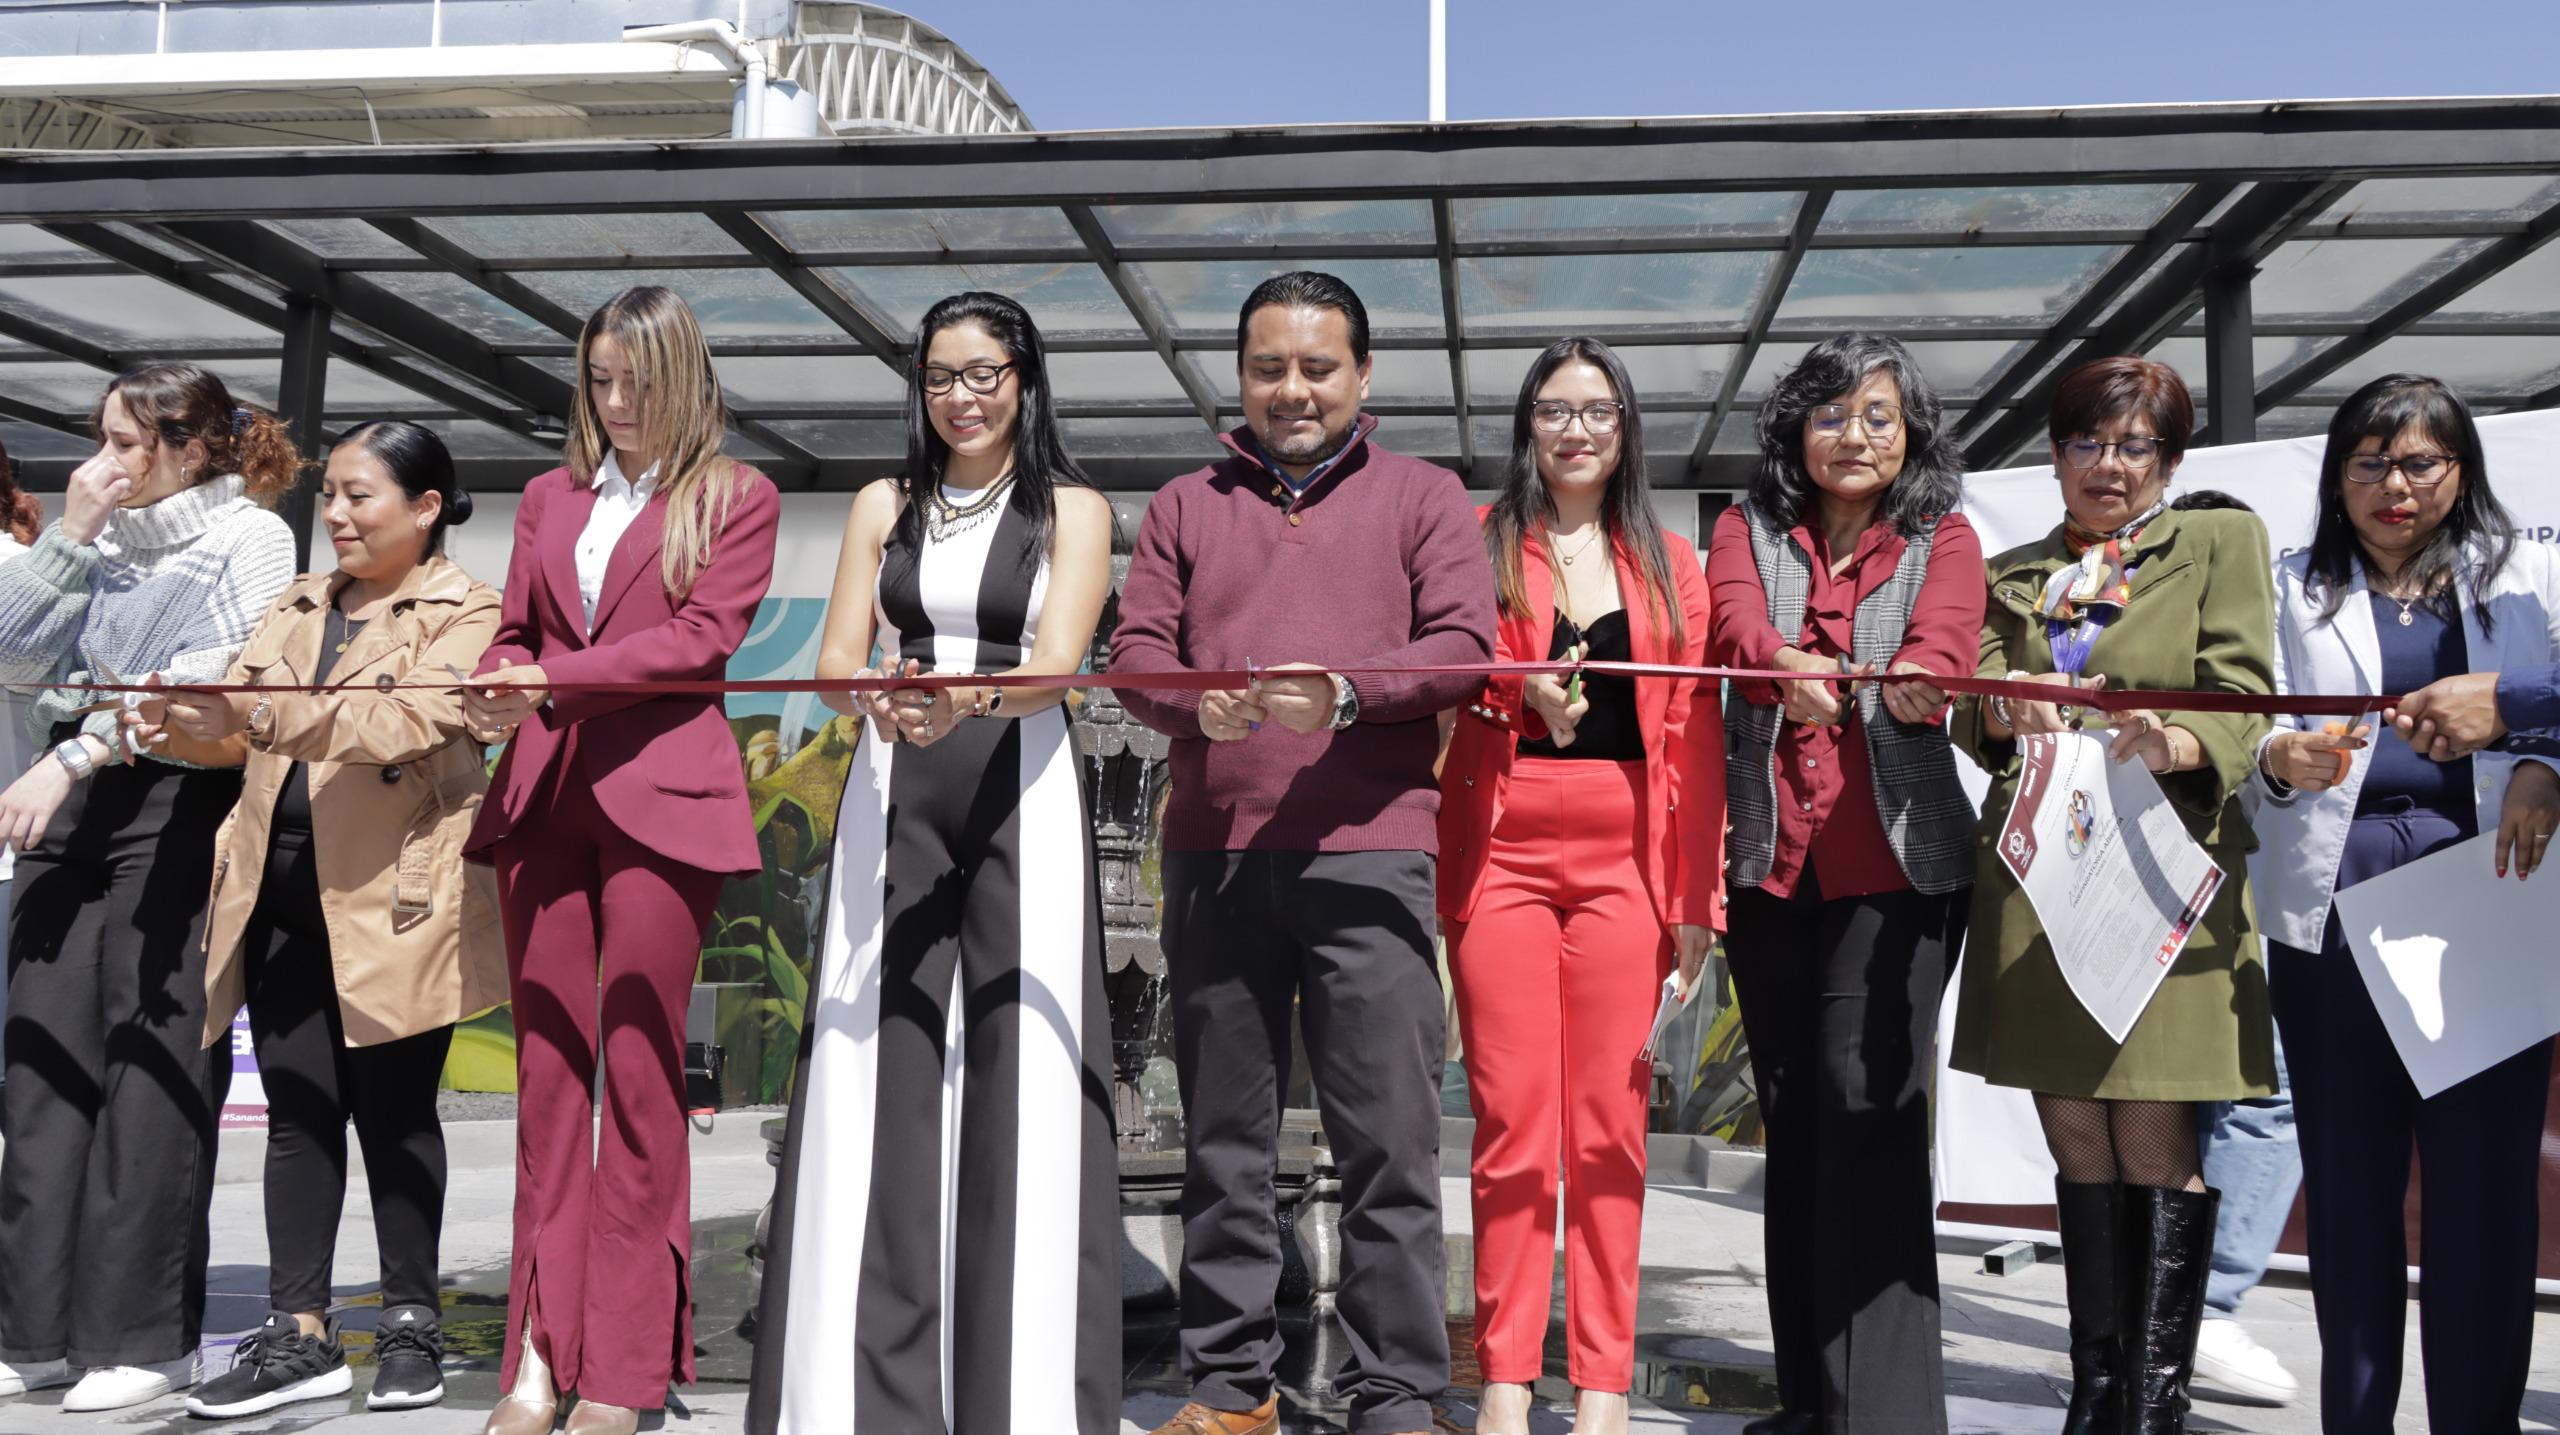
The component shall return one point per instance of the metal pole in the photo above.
(305, 387)
(2230, 358)
(1439, 61)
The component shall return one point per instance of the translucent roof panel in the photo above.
(853, 231)
(1660, 371)
(127, 312)
(1138, 377)
(65, 388)
(1669, 439)
(626, 235)
(1064, 299)
(2293, 421)
(2466, 199)
(1432, 437)
(25, 241)
(2528, 289)
(459, 302)
(1274, 225)
(731, 303)
(2271, 355)
(354, 391)
(1550, 296)
(1737, 434)
(30, 441)
(1772, 361)
(1959, 368)
(1109, 438)
(845, 438)
(470, 438)
(811, 379)
(1885, 287)
(351, 239)
(1396, 376)
(2478, 368)
(1998, 209)
(1201, 298)
(2349, 280)
(1604, 219)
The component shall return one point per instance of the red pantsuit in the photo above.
(1560, 883)
(612, 820)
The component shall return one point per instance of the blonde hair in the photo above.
(682, 422)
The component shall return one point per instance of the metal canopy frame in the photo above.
(221, 225)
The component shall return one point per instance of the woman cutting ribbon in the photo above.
(2130, 593)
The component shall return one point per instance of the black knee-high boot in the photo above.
(2168, 1252)
(2091, 1254)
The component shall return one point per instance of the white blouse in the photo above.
(618, 505)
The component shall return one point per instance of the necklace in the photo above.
(942, 517)
(341, 630)
(1556, 541)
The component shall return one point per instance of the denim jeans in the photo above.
(2251, 1157)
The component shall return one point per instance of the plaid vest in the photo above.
(1928, 820)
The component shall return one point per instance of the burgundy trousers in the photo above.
(600, 931)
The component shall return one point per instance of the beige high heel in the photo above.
(534, 1403)
(594, 1417)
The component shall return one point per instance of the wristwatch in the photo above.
(1346, 703)
(261, 713)
(75, 759)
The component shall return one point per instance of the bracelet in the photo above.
(2000, 709)
(75, 759)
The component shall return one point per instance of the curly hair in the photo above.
(21, 516)
(181, 403)
(1931, 483)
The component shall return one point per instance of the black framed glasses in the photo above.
(2423, 470)
(1880, 420)
(981, 378)
(2138, 452)
(1555, 416)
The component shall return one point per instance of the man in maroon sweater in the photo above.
(1299, 841)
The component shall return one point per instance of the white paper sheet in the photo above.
(2115, 880)
(2459, 960)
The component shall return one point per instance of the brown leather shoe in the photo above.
(593, 1417)
(1199, 1419)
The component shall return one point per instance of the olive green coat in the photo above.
(2201, 616)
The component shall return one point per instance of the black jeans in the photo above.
(109, 1110)
(1839, 1002)
(1344, 938)
(315, 1082)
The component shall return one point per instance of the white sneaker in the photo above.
(2240, 1369)
(35, 1375)
(113, 1387)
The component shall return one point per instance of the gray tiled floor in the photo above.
(1703, 1354)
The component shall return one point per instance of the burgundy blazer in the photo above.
(665, 769)
(1683, 843)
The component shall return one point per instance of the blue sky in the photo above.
(1107, 64)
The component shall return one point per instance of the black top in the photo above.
(1608, 731)
(293, 801)
(2413, 655)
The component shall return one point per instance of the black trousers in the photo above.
(2479, 1147)
(1345, 939)
(110, 1106)
(1839, 1002)
(315, 1083)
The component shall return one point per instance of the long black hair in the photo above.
(1931, 483)
(1524, 509)
(1040, 461)
(2467, 551)
(419, 462)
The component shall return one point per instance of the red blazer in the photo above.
(1683, 856)
(665, 769)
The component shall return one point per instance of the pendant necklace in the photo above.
(1556, 541)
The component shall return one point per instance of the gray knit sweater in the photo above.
(173, 588)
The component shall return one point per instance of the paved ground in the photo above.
(1704, 1354)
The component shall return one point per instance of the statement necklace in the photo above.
(942, 517)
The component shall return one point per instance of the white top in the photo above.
(17, 750)
(618, 504)
(2302, 836)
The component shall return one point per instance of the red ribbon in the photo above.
(2112, 700)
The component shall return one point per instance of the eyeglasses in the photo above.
(981, 378)
(2423, 470)
(1832, 420)
(2137, 453)
(1555, 416)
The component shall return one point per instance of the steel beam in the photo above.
(2251, 229)
(1453, 326)
(1764, 313)
(864, 328)
(305, 392)
(1151, 319)
(2230, 355)
(42, 417)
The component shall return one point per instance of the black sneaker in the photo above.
(276, 1366)
(408, 1356)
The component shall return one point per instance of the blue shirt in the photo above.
(1300, 485)
(2415, 653)
(2529, 704)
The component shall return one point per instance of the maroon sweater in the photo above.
(1379, 563)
